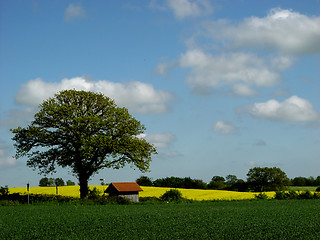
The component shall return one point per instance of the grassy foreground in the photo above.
(193, 194)
(268, 219)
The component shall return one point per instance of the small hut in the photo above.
(128, 190)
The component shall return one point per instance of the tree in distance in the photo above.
(59, 182)
(85, 131)
(144, 181)
(267, 179)
(70, 183)
(46, 182)
(217, 182)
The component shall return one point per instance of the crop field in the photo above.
(264, 219)
(193, 194)
(311, 189)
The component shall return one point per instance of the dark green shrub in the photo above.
(149, 200)
(318, 189)
(281, 195)
(261, 196)
(117, 200)
(4, 191)
(123, 201)
(316, 195)
(305, 195)
(292, 194)
(172, 195)
(94, 193)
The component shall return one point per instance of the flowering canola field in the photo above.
(193, 194)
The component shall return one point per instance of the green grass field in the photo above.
(267, 219)
(306, 188)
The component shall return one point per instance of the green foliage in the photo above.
(59, 182)
(144, 181)
(231, 180)
(318, 189)
(46, 182)
(172, 195)
(303, 181)
(51, 182)
(267, 179)
(305, 195)
(36, 198)
(70, 183)
(94, 193)
(200, 220)
(261, 196)
(4, 191)
(176, 182)
(85, 131)
(293, 195)
(122, 200)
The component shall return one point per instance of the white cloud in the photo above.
(74, 11)
(283, 30)
(189, 8)
(5, 160)
(183, 8)
(160, 140)
(293, 109)
(281, 63)
(243, 90)
(240, 70)
(163, 67)
(138, 97)
(224, 127)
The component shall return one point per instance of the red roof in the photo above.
(126, 186)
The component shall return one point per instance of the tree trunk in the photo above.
(83, 181)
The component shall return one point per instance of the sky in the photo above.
(221, 86)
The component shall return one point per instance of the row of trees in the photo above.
(259, 179)
(303, 181)
(53, 182)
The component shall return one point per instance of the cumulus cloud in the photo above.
(74, 11)
(282, 30)
(184, 8)
(240, 70)
(160, 140)
(224, 127)
(293, 109)
(243, 90)
(138, 97)
(189, 8)
(162, 68)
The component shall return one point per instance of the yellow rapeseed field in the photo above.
(194, 194)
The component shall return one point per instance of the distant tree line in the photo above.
(303, 181)
(259, 179)
(53, 182)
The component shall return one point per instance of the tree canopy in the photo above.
(267, 179)
(85, 131)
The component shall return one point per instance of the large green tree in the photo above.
(267, 179)
(85, 131)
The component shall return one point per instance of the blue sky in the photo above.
(221, 86)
